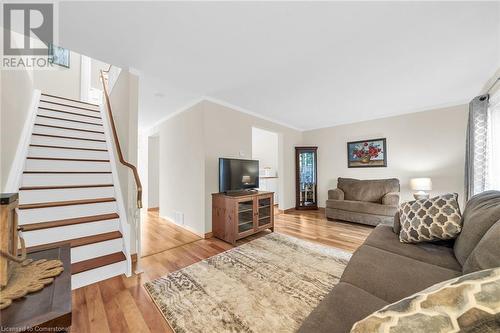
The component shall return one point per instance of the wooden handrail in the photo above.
(117, 142)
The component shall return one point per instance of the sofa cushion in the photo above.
(390, 276)
(362, 207)
(340, 309)
(369, 219)
(480, 213)
(465, 304)
(431, 219)
(487, 252)
(382, 237)
(367, 190)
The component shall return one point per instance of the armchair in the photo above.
(369, 202)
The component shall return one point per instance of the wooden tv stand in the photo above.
(238, 216)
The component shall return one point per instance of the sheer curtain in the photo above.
(492, 179)
(482, 155)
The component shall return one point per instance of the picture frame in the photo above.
(59, 56)
(371, 153)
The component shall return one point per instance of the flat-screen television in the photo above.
(238, 175)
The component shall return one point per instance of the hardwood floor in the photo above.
(160, 235)
(121, 304)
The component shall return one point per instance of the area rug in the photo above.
(270, 284)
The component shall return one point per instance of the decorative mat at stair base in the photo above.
(28, 277)
(270, 284)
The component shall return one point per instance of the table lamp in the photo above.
(421, 185)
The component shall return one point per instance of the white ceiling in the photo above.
(304, 64)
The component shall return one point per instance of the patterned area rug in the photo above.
(270, 284)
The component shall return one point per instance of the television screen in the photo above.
(238, 175)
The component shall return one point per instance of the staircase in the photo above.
(67, 193)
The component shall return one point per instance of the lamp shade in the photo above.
(421, 184)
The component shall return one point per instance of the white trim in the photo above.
(185, 227)
(124, 225)
(152, 130)
(392, 114)
(17, 167)
(254, 114)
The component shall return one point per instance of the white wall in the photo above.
(124, 103)
(182, 168)
(16, 88)
(60, 81)
(424, 144)
(153, 172)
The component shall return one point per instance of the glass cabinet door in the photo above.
(265, 211)
(245, 215)
(306, 177)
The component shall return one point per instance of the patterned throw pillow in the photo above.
(470, 303)
(431, 219)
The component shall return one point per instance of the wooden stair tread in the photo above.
(61, 187)
(93, 263)
(69, 112)
(65, 147)
(69, 128)
(65, 172)
(65, 159)
(69, 99)
(65, 222)
(81, 241)
(66, 119)
(70, 106)
(68, 137)
(65, 203)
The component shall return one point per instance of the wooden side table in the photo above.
(47, 310)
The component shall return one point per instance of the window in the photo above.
(493, 144)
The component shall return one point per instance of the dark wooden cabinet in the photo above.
(236, 217)
(306, 177)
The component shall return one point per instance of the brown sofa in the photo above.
(384, 270)
(369, 202)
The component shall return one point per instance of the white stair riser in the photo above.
(66, 102)
(98, 274)
(90, 251)
(35, 196)
(67, 123)
(65, 212)
(52, 113)
(55, 165)
(51, 235)
(67, 153)
(66, 179)
(69, 109)
(49, 141)
(65, 132)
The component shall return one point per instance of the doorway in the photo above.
(265, 149)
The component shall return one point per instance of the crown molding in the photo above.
(152, 129)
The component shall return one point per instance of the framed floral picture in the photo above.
(367, 153)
